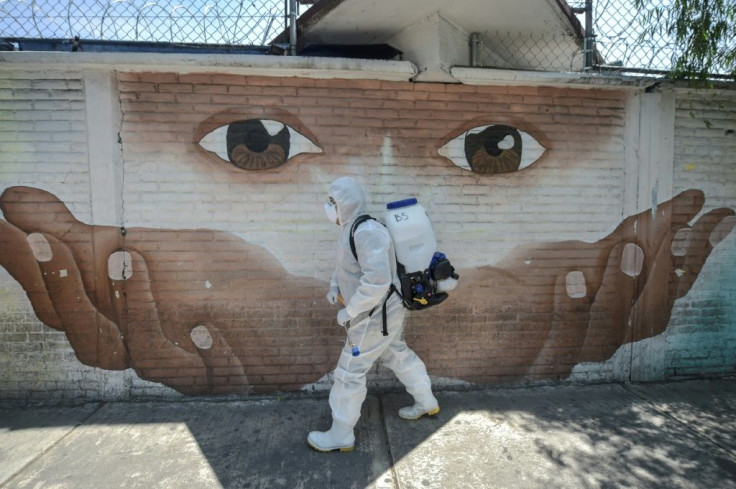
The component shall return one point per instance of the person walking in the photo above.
(362, 285)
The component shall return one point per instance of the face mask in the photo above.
(331, 211)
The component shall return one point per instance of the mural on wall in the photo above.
(126, 296)
(118, 295)
(596, 296)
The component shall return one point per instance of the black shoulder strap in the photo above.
(358, 221)
(393, 290)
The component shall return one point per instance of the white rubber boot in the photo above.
(339, 437)
(427, 406)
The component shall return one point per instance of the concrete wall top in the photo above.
(305, 67)
(281, 66)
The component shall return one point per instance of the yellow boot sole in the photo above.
(431, 412)
(322, 450)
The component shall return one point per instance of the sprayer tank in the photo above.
(412, 234)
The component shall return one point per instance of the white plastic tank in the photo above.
(446, 285)
(412, 233)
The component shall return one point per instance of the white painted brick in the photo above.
(575, 192)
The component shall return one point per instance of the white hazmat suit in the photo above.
(364, 284)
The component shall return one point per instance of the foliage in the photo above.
(704, 33)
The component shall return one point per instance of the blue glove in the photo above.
(343, 317)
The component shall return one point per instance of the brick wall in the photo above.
(388, 133)
(236, 262)
(702, 335)
(44, 144)
(42, 141)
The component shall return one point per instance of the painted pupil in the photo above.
(251, 147)
(491, 146)
(251, 133)
(257, 140)
(484, 155)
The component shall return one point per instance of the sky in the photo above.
(197, 21)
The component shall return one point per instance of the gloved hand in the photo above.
(332, 295)
(343, 317)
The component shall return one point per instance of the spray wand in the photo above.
(353, 347)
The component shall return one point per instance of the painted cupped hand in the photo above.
(197, 310)
(547, 307)
(203, 311)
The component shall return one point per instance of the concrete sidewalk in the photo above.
(680, 434)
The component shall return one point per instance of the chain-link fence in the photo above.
(618, 28)
(251, 22)
(626, 39)
(531, 51)
(610, 36)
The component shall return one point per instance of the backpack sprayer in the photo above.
(425, 275)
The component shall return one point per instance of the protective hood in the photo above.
(349, 197)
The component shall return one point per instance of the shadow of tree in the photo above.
(592, 436)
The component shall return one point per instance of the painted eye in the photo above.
(257, 144)
(492, 149)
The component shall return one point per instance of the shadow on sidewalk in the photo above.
(681, 435)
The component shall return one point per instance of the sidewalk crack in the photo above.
(669, 415)
(392, 459)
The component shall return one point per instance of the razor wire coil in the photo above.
(254, 22)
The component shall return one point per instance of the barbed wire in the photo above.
(617, 30)
(252, 22)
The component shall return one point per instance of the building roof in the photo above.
(377, 21)
(540, 35)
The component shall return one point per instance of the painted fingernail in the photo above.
(575, 285)
(120, 265)
(632, 260)
(681, 242)
(40, 247)
(722, 230)
(201, 337)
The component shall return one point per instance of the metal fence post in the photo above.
(588, 41)
(292, 26)
(475, 44)
(588, 46)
